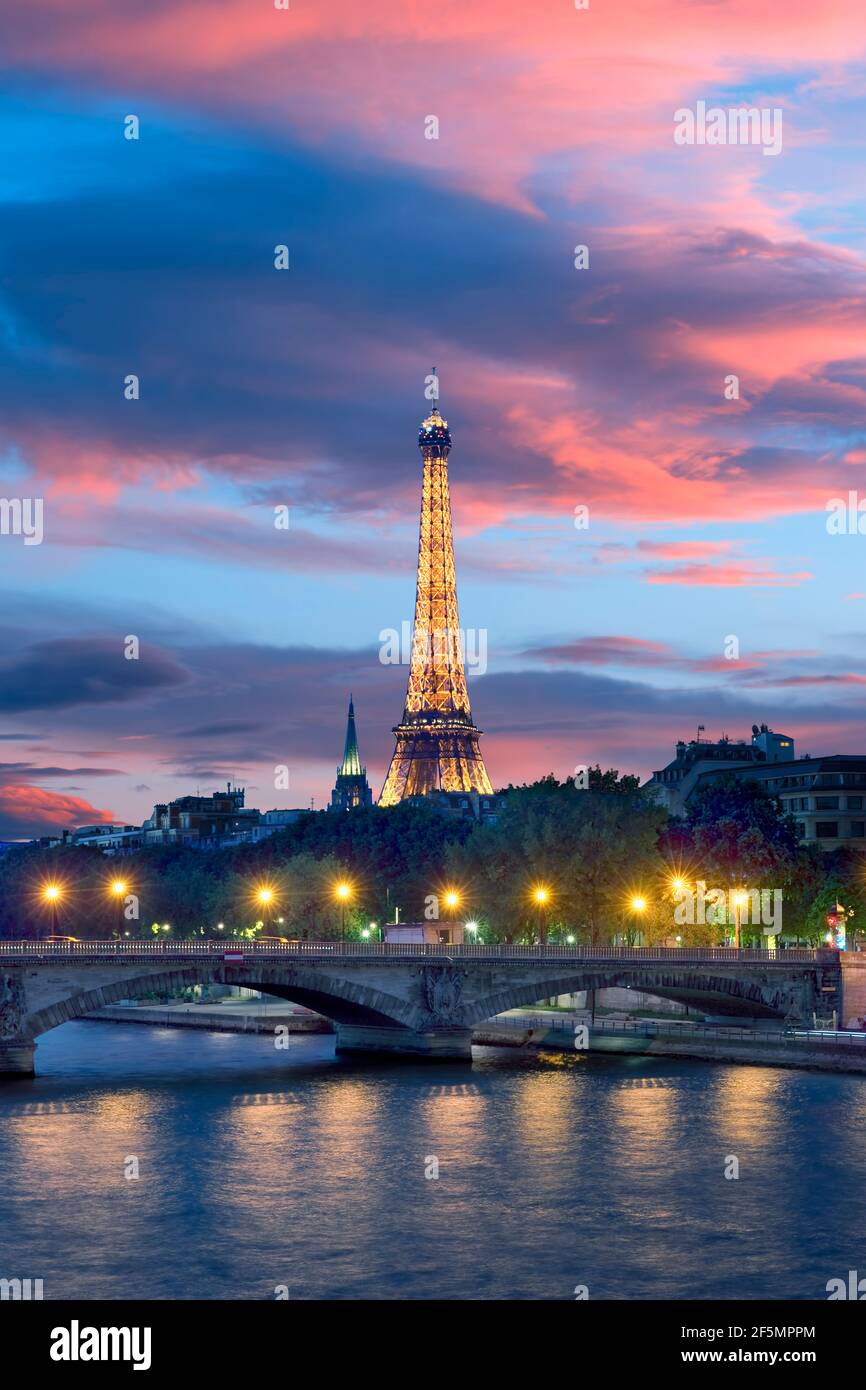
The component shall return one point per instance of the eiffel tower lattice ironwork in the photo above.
(437, 743)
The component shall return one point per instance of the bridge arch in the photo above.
(340, 1000)
(718, 992)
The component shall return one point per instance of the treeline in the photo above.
(561, 862)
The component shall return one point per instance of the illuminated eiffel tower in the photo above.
(437, 743)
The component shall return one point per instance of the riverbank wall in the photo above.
(762, 1048)
(216, 1019)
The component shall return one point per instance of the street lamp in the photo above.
(343, 892)
(52, 894)
(638, 905)
(118, 890)
(452, 899)
(541, 896)
(264, 898)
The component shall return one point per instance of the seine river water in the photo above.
(262, 1168)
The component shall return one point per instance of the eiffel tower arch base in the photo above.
(435, 759)
(440, 1044)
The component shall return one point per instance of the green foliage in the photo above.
(737, 835)
(594, 850)
(391, 858)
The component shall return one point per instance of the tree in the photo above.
(591, 849)
(735, 834)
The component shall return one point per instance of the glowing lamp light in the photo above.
(52, 893)
(638, 904)
(343, 891)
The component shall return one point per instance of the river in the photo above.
(262, 1169)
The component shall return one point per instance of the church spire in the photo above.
(352, 788)
(351, 765)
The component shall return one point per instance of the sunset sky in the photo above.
(563, 388)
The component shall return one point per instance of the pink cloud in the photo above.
(605, 651)
(34, 806)
(340, 68)
(742, 576)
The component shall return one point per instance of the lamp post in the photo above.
(638, 906)
(343, 892)
(264, 898)
(52, 894)
(542, 898)
(118, 891)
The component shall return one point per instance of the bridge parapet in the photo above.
(26, 951)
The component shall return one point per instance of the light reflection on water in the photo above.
(262, 1167)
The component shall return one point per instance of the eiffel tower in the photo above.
(437, 743)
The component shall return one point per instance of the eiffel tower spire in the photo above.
(437, 743)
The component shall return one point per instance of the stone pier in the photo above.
(452, 1044)
(17, 1059)
(853, 986)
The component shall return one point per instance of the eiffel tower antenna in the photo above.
(437, 746)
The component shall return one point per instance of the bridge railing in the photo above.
(251, 950)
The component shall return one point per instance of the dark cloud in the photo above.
(66, 672)
(34, 770)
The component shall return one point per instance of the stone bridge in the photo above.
(396, 998)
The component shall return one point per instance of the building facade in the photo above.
(464, 805)
(673, 785)
(825, 796)
(192, 819)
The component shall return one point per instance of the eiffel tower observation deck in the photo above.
(437, 746)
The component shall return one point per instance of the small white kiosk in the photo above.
(425, 933)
